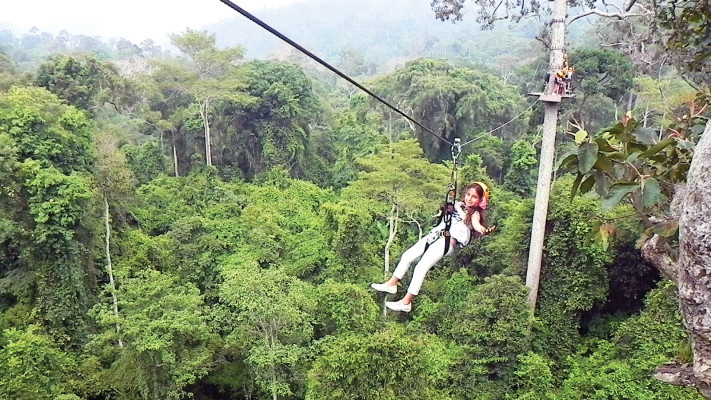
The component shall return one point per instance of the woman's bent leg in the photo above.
(409, 256)
(433, 254)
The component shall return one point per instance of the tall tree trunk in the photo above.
(545, 168)
(204, 106)
(392, 230)
(175, 153)
(694, 281)
(109, 267)
(661, 125)
(646, 113)
(692, 273)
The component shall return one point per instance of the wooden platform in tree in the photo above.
(551, 98)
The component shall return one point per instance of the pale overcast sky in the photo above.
(134, 20)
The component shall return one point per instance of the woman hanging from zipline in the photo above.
(467, 216)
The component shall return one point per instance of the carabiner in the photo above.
(456, 149)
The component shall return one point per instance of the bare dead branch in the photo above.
(629, 5)
(619, 16)
(608, 5)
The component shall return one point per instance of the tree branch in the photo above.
(682, 375)
(655, 251)
(619, 16)
(629, 5)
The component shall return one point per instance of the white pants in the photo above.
(429, 258)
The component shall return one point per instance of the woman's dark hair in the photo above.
(471, 210)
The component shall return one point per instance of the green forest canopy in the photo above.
(133, 268)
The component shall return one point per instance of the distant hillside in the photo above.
(383, 32)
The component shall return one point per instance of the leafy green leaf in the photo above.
(580, 136)
(666, 228)
(657, 148)
(646, 135)
(633, 156)
(603, 183)
(633, 147)
(587, 156)
(685, 144)
(620, 156)
(576, 184)
(644, 237)
(651, 192)
(616, 193)
(566, 159)
(587, 184)
(604, 145)
(603, 163)
(616, 130)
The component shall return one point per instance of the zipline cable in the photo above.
(325, 64)
(502, 125)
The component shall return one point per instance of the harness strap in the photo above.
(451, 195)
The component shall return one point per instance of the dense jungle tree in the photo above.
(599, 75)
(244, 290)
(164, 343)
(657, 101)
(79, 81)
(208, 76)
(651, 181)
(403, 186)
(521, 176)
(386, 365)
(46, 191)
(663, 206)
(275, 129)
(115, 183)
(33, 365)
(8, 72)
(688, 27)
(452, 101)
(267, 320)
(352, 134)
(575, 272)
(491, 329)
(166, 111)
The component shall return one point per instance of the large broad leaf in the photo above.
(657, 148)
(618, 191)
(685, 144)
(587, 156)
(666, 228)
(580, 136)
(603, 183)
(576, 184)
(603, 163)
(616, 130)
(618, 172)
(646, 135)
(566, 159)
(587, 184)
(633, 156)
(651, 192)
(636, 147)
(619, 156)
(604, 145)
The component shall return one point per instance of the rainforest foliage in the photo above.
(208, 226)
